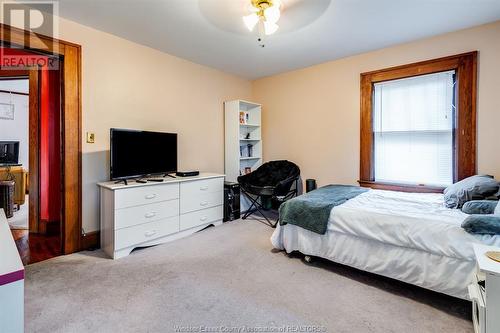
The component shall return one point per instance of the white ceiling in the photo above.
(211, 32)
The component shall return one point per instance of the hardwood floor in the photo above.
(36, 247)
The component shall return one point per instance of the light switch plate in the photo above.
(90, 137)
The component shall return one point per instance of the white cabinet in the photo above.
(486, 298)
(138, 215)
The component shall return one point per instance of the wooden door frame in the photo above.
(70, 55)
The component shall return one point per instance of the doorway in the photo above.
(33, 131)
(69, 184)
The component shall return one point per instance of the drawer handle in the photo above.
(203, 203)
(150, 215)
(204, 218)
(204, 188)
(150, 233)
(150, 196)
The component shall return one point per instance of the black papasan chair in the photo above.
(272, 180)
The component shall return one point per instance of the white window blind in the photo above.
(413, 129)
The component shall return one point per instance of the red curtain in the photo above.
(50, 146)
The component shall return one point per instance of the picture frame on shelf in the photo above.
(244, 117)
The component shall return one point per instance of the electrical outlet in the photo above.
(90, 137)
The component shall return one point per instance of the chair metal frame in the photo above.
(254, 199)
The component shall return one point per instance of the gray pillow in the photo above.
(497, 210)
(479, 207)
(482, 224)
(472, 188)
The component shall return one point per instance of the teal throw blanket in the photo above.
(311, 211)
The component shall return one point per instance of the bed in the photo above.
(410, 237)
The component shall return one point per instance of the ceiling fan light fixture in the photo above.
(272, 14)
(270, 27)
(251, 21)
(265, 11)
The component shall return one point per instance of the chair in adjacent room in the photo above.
(273, 181)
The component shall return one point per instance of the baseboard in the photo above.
(91, 241)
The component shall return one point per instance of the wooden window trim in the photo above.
(465, 135)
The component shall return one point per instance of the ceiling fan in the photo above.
(265, 14)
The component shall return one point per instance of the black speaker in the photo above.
(310, 185)
(231, 201)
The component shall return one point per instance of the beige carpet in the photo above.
(222, 278)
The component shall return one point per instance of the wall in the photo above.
(311, 116)
(127, 85)
(17, 129)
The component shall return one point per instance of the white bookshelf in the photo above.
(238, 136)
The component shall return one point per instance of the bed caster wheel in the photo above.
(308, 259)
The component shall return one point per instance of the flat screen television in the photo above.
(140, 153)
(9, 152)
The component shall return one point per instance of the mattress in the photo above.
(407, 236)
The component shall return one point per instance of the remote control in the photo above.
(141, 181)
(157, 180)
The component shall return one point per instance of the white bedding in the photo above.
(407, 236)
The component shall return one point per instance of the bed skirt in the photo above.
(442, 274)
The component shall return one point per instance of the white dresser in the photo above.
(486, 299)
(138, 215)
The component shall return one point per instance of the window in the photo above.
(413, 129)
(418, 124)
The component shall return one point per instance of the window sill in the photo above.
(401, 187)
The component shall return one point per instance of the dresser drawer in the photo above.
(134, 236)
(202, 186)
(136, 196)
(201, 201)
(128, 217)
(194, 219)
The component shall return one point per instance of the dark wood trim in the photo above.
(465, 66)
(71, 125)
(91, 240)
(14, 74)
(38, 43)
(401, 187)
(72, 167)
(34, 151)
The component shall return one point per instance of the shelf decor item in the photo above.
(250, 150)
(243, 117)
